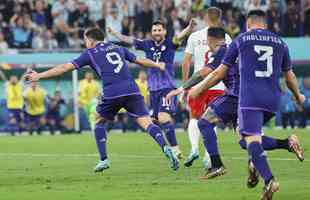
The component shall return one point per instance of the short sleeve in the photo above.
(215, 60)
(131, 57)
(286, 63)
(228, 39)
(190, 45)
(139, 44)
(231, 54)
(82, 60)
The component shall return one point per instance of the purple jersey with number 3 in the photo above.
(109, 61)
(262, 57)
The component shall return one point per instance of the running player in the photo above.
(119, 88)
(262, 56)
(161, 48)
(198, 49)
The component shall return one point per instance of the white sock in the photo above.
(193, 134)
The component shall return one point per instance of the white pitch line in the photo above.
(123, 156)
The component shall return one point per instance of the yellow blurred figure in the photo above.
(14, 93)
(35, 99)
(89, 89)
(14, 102)
(35, 107)
(141, 81)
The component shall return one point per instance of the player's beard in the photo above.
(158, 38)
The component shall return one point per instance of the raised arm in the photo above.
(123, 38)
(149, 63)
(185, 32)
(56, 71)
(211, 80)
(292, 84)
(186, 66)
(2, 76)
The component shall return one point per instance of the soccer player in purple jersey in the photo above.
(161, 48)
(119, 88)
(262, 58)
(224, 109)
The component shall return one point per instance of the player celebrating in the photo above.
(119, 88)
(161, 48)
(262, 57)
(224, 109)
(14, 102)
(198, 48)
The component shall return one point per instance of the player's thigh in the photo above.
(135, 106)
(154, 103)
(250, 123)
(197, 105)
(107, 109)
(166, 111)
(223, 109)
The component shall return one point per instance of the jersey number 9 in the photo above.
(115, 59)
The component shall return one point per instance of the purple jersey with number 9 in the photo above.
(109, 62)
(262, 57)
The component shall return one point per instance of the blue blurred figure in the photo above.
(287, 108)
(304, 115)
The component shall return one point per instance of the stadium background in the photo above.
(30, 36)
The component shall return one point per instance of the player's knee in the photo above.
(252, 138)
(144, 122)
(100, 121)
(203, 124)
(210, 116)
(164, 117)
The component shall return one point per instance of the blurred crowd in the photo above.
(292, 115)
(50, 24)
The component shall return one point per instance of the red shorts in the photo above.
(199, 104)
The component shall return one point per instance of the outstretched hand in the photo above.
(192, 24)
(162, 66)
(172, 94)
(32, 76)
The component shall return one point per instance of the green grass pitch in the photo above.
(60, 168)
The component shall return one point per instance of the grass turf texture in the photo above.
(60, 167)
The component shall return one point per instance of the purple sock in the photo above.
(210, 142)
(259, 159)
(269, 143)
(170, 133)
(157, 135)
(101, 139)
(209, 136)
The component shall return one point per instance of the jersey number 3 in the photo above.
(266, 56)
(115, 59)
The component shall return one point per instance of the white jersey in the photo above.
(197, 47)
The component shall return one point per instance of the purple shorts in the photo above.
(134, 105)
(226, 108)
(34, 119)
(251, 122)
(16, 114)
(158, 102)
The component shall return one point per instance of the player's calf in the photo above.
(101, 139)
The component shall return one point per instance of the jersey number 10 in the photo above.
(115, 59)
(266, 56)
